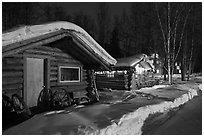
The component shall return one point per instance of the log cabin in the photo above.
(53, 55)
(129, 73)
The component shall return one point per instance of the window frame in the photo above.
(67, 81)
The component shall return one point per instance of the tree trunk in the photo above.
(183, 63)
(168, 46)
(164, 72)
(191, 56)
(183, 69)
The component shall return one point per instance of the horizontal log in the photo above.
(9, 81)
(112, 87)
(48, 48)
(53, 78)
(120, 77)
(112, 81)
(110, 78)
(66, 61)
(55, 83)
(10, 61)
(12, 87)
(14, 56)
(53, 68)
(54, 51)
(53, 75)
(12, 74)
(10, 68)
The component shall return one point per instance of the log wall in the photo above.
(119, 82)
(12, 75)
(13, 70)
(59, 57)
(127, 81)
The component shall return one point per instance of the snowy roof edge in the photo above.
(130, 61)
(28, 32)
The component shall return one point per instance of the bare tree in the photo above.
(172, 36)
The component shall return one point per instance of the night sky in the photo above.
(134, 31)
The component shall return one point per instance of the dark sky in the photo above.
(90, 8)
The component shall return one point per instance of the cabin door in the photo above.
(34, 80)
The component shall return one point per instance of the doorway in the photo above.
(34, 78)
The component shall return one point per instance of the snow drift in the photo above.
(131, 123)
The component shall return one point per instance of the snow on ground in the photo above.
(131, 123)
(118, 112)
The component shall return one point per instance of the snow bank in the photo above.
(28, 32)
(155, 87)
(131, 123)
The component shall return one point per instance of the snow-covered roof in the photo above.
(130, 61)
(146, 65)
(28, 32)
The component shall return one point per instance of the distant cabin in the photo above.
(54, 55)
(129, 73)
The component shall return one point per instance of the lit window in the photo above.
(110, 74)
(69, 74)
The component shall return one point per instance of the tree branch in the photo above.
(182, 33)
(160, 24)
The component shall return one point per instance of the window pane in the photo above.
(69, 74)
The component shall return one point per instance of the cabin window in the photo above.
(69, 74)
